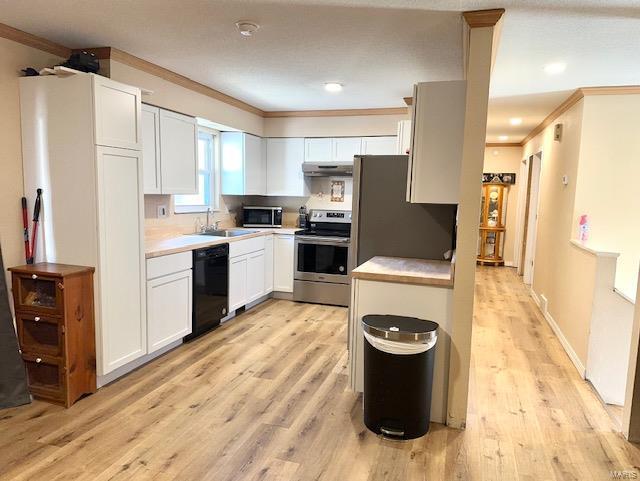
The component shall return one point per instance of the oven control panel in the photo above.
(341, 216)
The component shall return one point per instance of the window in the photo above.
(207, 196)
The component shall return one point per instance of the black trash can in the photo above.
(399, 355)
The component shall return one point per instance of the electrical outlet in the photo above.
(162, 212)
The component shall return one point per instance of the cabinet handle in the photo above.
(38, 360)
(34, 276)
(36, 318)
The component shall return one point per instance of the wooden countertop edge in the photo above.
(404, 279)
(150, 253)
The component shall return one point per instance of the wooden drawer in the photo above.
(43, 294)
(40, 334)
(46, 376)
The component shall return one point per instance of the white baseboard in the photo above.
(508, 264)
(559, 334)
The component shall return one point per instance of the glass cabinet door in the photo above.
(37, 292)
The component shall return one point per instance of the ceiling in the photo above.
(376, 48)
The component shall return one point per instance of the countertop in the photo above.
(188, 242)
(406, 271)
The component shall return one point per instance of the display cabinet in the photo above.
(492, 224)
(55, 324)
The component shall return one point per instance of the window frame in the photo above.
(214, 183)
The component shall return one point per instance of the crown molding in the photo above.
(503, 144)
(483, 18)
(335, 113)
(408, 101)
(34, 41)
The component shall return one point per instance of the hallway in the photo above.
(265, 397)
(530, 414)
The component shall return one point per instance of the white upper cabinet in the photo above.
(178, 155)
(318, 150)
(243, 164)
(117, 114)
(435, 157)
(404, 137)
(385, 145)
(332, 149)
(284, 167)
(344, 148)
(151, 149)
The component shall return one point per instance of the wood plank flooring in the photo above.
(265, 397)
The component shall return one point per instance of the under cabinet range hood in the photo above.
(327, 169)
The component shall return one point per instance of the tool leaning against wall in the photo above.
(30, 247)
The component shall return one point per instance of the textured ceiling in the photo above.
(378, 49)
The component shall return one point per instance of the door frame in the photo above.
(529, 220)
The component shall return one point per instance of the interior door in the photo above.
(120, 273)
(532, 220)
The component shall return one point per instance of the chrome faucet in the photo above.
(208, 227)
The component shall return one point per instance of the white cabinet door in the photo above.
(435, 159)
(344, 148)
(117, 114)
(178, 158)
(237, 282)
(283, 263)
(120, 270)
(232, 163)
(255, 165)
(268, 264)
(255, 276)
(387, 145)
(151, 149)
(318, 150)
(284, 167)
(168, 309)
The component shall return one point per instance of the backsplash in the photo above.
(230, 209)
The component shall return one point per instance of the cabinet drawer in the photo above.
(38, 293)
(39, 334)
(170, 264)
(242, 247)
(46, 376)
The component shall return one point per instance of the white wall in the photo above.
(608, 174)
(349, 126)
(13, 58)
(507, 159)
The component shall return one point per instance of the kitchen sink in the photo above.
(227, 232)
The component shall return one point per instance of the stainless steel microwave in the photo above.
(255, 216)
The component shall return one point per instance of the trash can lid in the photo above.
(400, 328)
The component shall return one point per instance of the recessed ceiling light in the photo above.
(515, 121)
(555, 68)
(502, 138)
(247, 28)
(333, 87)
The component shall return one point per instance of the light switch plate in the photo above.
(162, 212)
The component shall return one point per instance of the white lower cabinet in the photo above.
(283, 259)
(255, 276)
(237, 282)
(268, 264)
(169, 309)
(169, 299)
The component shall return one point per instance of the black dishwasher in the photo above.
(210, 288)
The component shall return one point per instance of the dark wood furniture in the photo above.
(493, 216)
(56, 329)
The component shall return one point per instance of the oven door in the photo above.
(322, 259)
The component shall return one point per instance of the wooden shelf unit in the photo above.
(56, 329)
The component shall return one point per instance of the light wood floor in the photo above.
(265, 398)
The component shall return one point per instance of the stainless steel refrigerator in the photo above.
(385, 224)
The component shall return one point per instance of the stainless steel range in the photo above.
(322, 258)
